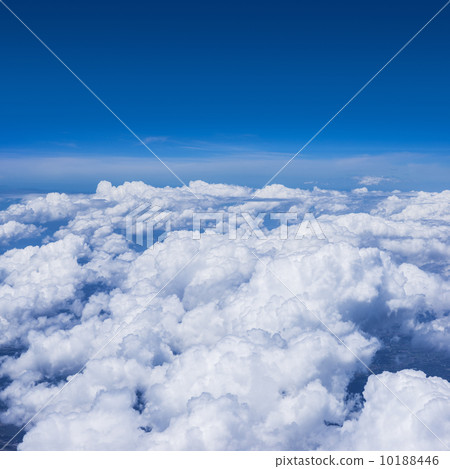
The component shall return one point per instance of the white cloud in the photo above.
(225, 356)
(372, 180)
(386, 423)
(16, 230)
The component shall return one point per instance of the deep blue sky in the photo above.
(216, 84)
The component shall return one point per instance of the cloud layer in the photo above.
(247, 343)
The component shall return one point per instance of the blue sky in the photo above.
(224, 91)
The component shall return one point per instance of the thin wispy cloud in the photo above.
(373, 180)
(155, 139)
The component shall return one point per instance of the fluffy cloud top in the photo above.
(231, 343)
(16, 230)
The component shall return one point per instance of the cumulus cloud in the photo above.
(13, 230)
(400, 423)
(244, 342)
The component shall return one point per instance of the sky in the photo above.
(267, 335)
(225, 92)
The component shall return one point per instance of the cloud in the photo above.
(36, 282)
(372, 180)
(426, 397)
(155, 138)
(53, 206)
(16, 230)
(229, 164)
(225, 356)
